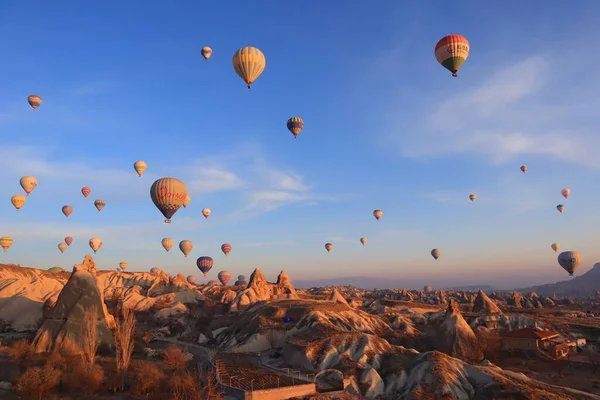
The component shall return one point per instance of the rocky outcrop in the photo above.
(483, 304)
(337, 297)
(456, 338)
(259, 289)
(65, 319)
(516, 300)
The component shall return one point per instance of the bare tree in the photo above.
(89, 335)
(124, 341)
(175, 357)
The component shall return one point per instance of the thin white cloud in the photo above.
(91, 88)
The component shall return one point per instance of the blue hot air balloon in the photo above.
(204, 264)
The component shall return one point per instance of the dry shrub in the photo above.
(20, 350)
(37, 383)
(124, 342)
(175, 357)
(84, 378)
(89, 335)
(56, 359)
(148, 379)
(186, 386)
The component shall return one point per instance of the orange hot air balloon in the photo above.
(86, 191)
(472, 197)
(226, 248)
(28, 183)
(99, 204)
(34, 101)
(18, 201)
(68, 240)
(249, 63)
(67, 210)
(167, 243)
(377, 214)
(206, 52)
(62, 247)
(6, 242)
(565, 192)
(168, 195)
(452, 51)
(328, 247)
(206, 212)
(524, 168)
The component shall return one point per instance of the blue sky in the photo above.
(385, 127)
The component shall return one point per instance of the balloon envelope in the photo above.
(67, 210)
(95, 244)
(140, 166)
(68, 240)
(206, 212)
(191, 279)
(34, 101)
(452, 51)
(328, 247)
(28, 183)
(295, 125)
(249, 63)
(55, 270)
(99, 204)
(224, 277)
(167, 243)
(565, 192)
(86, 191)
(560, 208)
(186, 246)
(377, 214)
(18, 201)
(555, 246)
(363, 240)
(186, 201)
(435, 253)
(472, 197)
(524, 168)
(123, 265)
(226, 248)
(6, 242)
(62, 247)
(168, 195)
(206, 52)
(204, 264)
(570, 261)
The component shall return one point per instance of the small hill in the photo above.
(582, 287)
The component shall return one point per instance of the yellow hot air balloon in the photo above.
(168, 195)
(28, 183)
(140, 166)
(206, 212)
(472, 197)
(328, 247)
(377, 214)
(62, 247)
(186, 246)
(555, 246)
(99, 204)
(95, 244)
(67, 210)
(34, 101)
(6, 242)
(123, 265)
(167, 243)
(186, 201)
(452, 51)
(249, 63)
(363, 240)
(18, 201)
(206, 52)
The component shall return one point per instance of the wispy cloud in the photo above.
(91, 88)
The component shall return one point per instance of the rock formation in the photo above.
(483, 304)
(456, 338)
(65, 319)
(337, 297)
(516, 300)
(260, 290)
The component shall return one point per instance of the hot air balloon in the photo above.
(224, 277)
(6, 242)
(99, 204)
(206, 52)
(168, 195)
(363, 240)
(18, 201)
(167, 243)
(28, 183)
(435, 253)
(186, 246)
(328, 247)
(86, 191)
(123, 265)
(67, 210)
(154, 270)
(34, 101)
(62, 247)
(226, 248)
(55, 270)
(555, 246)
(377, 214)
(560, 207)
(241, 281)
(191, 279)
(204, 264)
(570, 261)
(249, 63)
(472, 197)
(295, 125)
(95, 244)
(565, 192)
(452, 51)
(68, 240)
(206, 212)
(524, 168)
(139, 167)
(186, 201)
(212, 283)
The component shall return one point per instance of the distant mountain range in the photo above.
(584, 286)
(365, 282)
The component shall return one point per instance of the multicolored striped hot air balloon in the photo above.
(224, 277)
(140, 166)
(206, 52)
(204, 264)
(99, 204)
(452, 51)
(68, 240)
(226, 248)
(435, 253)
(167, 243)
(6, 242)
(328, 247)
(168, 195)
(67, 210)
(34, 101)
(186, 246)
(295, 125)
(62, 247)
(95, 244)
(28, 183)
(18, 201)
(249, 63)
(86, 191)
